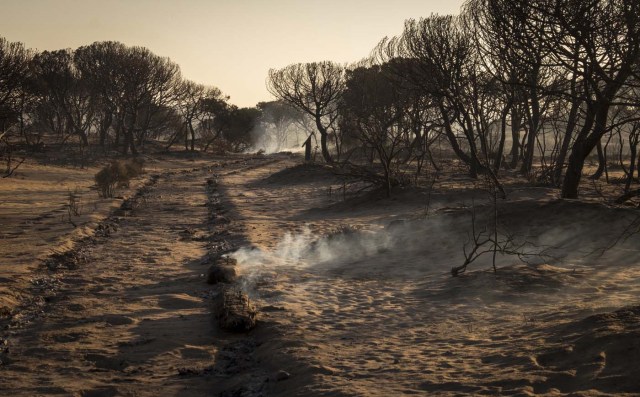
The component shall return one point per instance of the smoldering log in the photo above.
(222, 270)
(235, 311)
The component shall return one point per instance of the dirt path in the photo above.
(133, 318)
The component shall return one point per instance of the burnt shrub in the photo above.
(134, 167)
(117, 174)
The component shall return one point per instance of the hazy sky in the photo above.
(230, 44)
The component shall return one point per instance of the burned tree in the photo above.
(190, 106)
(598, 41)
(14, 75)
(133, 86)
(66, 101)
(14, 70)
(511, 52)
(315, 89)
(375, 109)
(443, 68)
(242, 121)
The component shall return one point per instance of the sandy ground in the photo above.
(129, 312)
(377, 313)
(355, 294)
(35, 220)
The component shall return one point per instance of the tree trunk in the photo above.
(497, 162)
(534, 123)
(186, 138)
(529, 152)
(119, 128)
(588, 138)
(83, 136)
(566, 140)
(104, 128)
(193, 136)
(452, 137)
(476, 165)
(323, 140)
(602, 162)
(515, 138)
(632, 167)
(574, 171)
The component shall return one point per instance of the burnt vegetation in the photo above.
(540, 90)
(543, 90)
(110, 99)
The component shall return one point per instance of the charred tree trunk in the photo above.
(534, 115)
(632, 168)
(588, 138)
(193, 136)
(105, 123)
(566, 140)
(323, 139)
(602, 162)
(497, 160)
(453, 141)
(633, 151)
(515, 138)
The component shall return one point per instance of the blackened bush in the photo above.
(134, 167)
(117, 174)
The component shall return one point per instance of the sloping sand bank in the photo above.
(374, 311)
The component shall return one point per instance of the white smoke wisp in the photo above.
(308, 251)
(288, 252)
(270, 140)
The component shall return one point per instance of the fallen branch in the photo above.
(11, 171)
(628, 196)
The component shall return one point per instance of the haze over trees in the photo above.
(537, 87)
(112, 96)
(283, 126)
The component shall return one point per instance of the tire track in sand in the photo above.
(134, 318)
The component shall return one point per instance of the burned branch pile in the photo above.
(235, 311)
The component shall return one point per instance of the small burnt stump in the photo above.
(222, 270)
(235, 311)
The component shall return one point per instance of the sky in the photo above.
(230, 44)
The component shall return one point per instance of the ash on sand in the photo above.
(71, 260)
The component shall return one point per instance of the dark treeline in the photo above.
(535, 86)
(113, 97)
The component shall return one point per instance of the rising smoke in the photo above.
(308, 251)
(305, 249)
